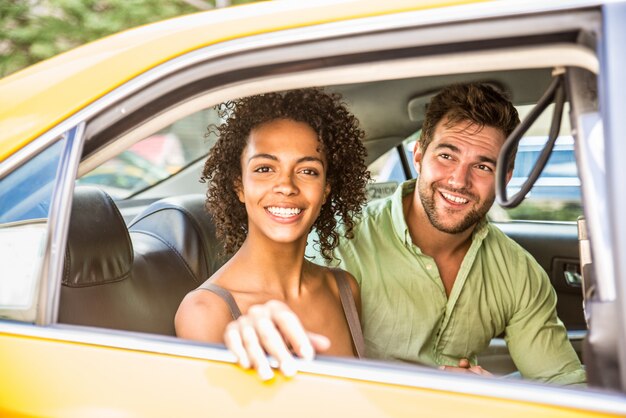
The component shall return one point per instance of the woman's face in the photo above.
(283, 180)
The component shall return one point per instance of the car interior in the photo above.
(130, 261)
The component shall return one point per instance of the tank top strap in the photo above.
(350, 311)
(225, 295)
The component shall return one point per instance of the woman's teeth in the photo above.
(283, 212)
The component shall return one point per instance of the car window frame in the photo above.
(254, 84)
(48, 282)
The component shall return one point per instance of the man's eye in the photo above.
(445, 156)
(484, 167)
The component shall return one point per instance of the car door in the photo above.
(88, 370)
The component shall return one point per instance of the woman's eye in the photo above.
(309, 172)
(262, 169)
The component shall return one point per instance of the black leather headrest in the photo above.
(183, 224)
(98, 245)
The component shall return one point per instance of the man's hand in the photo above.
(271, 328)
(464, 366)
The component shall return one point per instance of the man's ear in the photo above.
(417, 156)
(239, 190)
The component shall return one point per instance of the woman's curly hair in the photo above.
(341, 141)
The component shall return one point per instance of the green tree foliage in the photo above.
(33, 30)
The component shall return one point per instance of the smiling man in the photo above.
(438, 281)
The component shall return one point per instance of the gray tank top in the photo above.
(347, 303)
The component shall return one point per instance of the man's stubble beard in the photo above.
(473, 217)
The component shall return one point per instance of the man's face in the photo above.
(456, 182)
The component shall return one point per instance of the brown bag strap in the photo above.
(225, 295)
(349, 309)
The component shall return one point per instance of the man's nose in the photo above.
(459, 177)
(285, 184)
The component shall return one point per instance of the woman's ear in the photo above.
(239, 190)
(326, 192)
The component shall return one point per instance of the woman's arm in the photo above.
(202, 316)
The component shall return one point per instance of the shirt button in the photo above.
(429, 266)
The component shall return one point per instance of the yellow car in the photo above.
(89, 285)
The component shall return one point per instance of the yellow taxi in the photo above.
(89, 283)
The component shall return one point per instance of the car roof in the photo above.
(35, 99)
(40, 96)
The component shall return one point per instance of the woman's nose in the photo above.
(285, 184)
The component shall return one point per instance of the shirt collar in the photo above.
(481, 230)
(397, 211)
(400, 227)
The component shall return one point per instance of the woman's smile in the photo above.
(284, 213)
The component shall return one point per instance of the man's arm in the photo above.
(536, 338)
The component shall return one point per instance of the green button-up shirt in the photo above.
(407, 316)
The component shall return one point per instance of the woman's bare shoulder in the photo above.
(202, 316)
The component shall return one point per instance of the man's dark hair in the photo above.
(340, 140)
(478, 103)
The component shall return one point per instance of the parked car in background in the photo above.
(124, 175)
(558, 180)
(89, 285)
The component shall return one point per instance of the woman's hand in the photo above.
(272, 328)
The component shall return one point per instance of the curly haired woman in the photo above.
(284, 163)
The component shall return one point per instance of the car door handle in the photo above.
(572, 277)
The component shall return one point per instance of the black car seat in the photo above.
(182, 224)
(133, 280)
